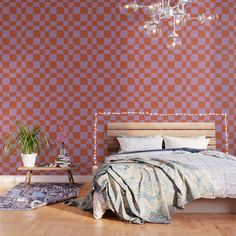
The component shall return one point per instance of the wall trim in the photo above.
(45, 178)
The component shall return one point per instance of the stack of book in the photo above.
(63, 161)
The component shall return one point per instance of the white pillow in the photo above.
(189, 142)
(129, 144)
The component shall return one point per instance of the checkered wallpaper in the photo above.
(62, 61)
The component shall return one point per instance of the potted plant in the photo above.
(28, 140)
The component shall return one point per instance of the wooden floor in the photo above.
(59, 219)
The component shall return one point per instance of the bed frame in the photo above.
(179, 129)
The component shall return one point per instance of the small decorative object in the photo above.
(28, 140)
(63, 160)
(62, 140)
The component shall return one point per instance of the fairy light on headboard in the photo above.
(223, 115)
(226, 132)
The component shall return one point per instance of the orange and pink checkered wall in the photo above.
(62, 61)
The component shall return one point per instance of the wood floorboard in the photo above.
(59, 219)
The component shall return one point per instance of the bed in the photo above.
(151, 185)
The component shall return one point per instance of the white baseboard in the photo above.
(45, 178)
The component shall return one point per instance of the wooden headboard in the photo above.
(179, 129)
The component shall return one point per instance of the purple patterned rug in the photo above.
(35, 195)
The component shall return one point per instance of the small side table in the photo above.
(31, 169)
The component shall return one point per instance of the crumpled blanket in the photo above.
(142, 190)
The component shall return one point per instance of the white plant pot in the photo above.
(29, 159)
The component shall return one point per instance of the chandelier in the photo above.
(174, 12)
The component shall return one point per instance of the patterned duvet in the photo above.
(149, 186)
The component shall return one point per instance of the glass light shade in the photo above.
(202, 18)
(128, 7)
(151, 29)
(169, 12)
(212, 17)
(173, 40)
(180, 19)
(152, 9)
(209, 17)
(153, 33)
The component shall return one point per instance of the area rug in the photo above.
(36, 195)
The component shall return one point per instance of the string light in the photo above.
(223, 115)
(226, 133)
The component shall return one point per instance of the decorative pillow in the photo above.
(189, 142)
(129, 144)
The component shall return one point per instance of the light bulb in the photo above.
(124, 8)
(177, 21)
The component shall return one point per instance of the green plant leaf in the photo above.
(27, 139)
(9, 145)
